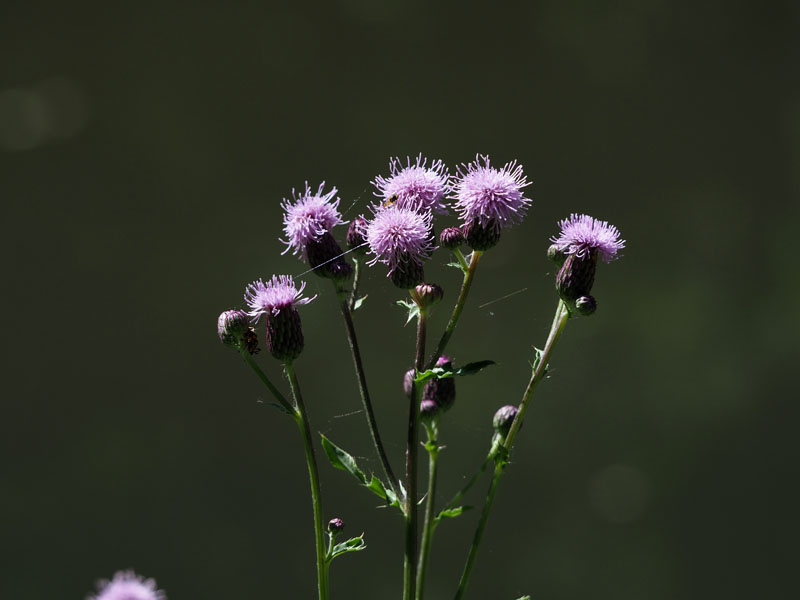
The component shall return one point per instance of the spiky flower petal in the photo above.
(398, 236)
(582, 234)
(309, 216)
(127, 585)
(278, 293)
(416, 185)
(492, 197)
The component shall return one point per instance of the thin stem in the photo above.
(394, 483)
(429, 525)
(410, 563)
(351, 305)
(313, 476)
(460, 258)
(469, 276)
(476, 541)
(263, 377)
(463, 491)
(559, 321)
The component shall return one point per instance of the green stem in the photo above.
(559, 321)
(476, 541)
(262, 376)
(469, 276)
(394, 483)
(351, 305)
(313, 476)
(429, 524)
(410, 562)
(461, 260)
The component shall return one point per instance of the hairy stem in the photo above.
(559, 321)
(410, 563)
(313, 476)
(469, 276)
(351, 305)
(429, 525)
(394, 483)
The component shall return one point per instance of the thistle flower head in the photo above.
(416, 185)
(126, 585)
(398, 235)
(492, 197)
(308, 216)
(232, 326)
(582, 234)
(275, 295)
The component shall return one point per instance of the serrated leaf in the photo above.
(352, 545)
(451, 513)
(342, 460)
(441, 373)
(436, 372)
(411, 307)
(357, 304)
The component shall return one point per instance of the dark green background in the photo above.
(144, 150)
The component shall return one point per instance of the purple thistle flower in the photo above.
(492, 197)
(309, 217)
(398, 236)
(273, 296)
(127, 585)
(582, 234)
(415, 185)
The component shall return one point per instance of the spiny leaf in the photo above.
(352, 545)
(411, 307)
(357, 304)
(474, 367)
(537, 359)
(441, 373)
(451, 513)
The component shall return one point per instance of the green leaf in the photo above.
(342, 460)
(452, 513)
(524, 598)
(473, 367)
(345, 461)
(357, 304)
(537, 359)
(411, 307)
(352, 545)
(441, 373)
(282, 408)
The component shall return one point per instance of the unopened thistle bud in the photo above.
(408, 382)
(481, 237)
(356, 239)
(428, 294)
(428, 409)
(451, 238)
(503, 419)
(586, 305)
(441, 393)
(556, 255)
(232, 327)
(277, 301)
(335, 525)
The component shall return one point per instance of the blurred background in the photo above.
(144, 150)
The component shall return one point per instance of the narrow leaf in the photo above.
(357, 304)
(377, 487)
(524, 598)
(537, 359)
(474, 367)
(342, 460)
(281, 408)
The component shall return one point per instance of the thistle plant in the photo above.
(395, 238)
